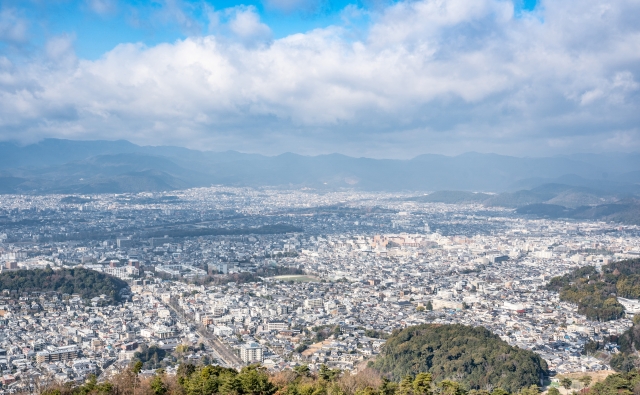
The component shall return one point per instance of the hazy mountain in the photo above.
(66, 166)
(625, 211)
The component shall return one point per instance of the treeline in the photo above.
(84, 282)
(618, 384)
(595, 293)
(255, 380)
(474, 356)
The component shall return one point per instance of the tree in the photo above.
(473, 356)
(328, 374)
(137, 367)
(566, 382)
(449, 387)
(531, 390)
(585, 380)
(553, 391)
(185, 370)
(406, 386)
(255, 381)
(230, 385)
(158, 387)
(422, 384)
(387, 387)
(429, 306)
(623, 362)
(302, 370)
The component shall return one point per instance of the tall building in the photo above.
(251, 352)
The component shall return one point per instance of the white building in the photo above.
(251, 352)
(314, 303)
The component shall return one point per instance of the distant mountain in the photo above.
(626, 211)
(66, 166)
(559, 194)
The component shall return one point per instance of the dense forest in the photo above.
(595, 293)
(255, 380)
(473, 356)
(87, 283)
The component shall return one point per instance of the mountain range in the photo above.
(84, 167)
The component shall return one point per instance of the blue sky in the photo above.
(99, 25)
(379, 78)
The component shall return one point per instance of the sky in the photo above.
(374, 78)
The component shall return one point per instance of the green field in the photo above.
(297, 278)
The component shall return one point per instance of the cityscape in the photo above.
(319, 197)
(232, 276)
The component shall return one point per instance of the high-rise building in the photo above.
(251, 352)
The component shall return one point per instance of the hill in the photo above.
(256, 380)
(473, 356)
(67, 167)
(595, 293)
(627, 211)
(87, 283)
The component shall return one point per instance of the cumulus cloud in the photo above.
(431, 75)
(245, 23)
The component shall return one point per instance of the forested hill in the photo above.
(87, 283)
(471, 355)
(595, 293)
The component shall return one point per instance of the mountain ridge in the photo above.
(69, 166)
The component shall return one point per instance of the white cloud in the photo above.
(431, 75)
(102, 7)
(245, 23)
(13, 29)
(59, 49)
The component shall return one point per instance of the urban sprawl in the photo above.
(356, 266)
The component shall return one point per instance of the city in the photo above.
(231, 276)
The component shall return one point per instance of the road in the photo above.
(223, 352)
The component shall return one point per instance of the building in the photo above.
(439, 304)
(124, 273)
(313, 304)
(124, 243)
(251, 352)
(277, 326)
(65, 353)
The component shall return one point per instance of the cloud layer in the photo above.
(424, 76)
